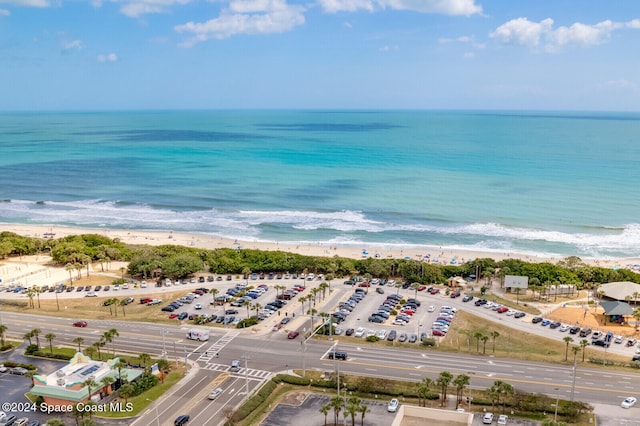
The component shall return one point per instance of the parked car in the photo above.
(502, 419)
(392, 407)
(535, 320)
(487, 419)
(467, 298)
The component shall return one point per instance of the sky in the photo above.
(319, 54)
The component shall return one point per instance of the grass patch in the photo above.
(141, 401)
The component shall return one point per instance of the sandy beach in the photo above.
(426, 253)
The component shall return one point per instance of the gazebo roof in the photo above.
(616, 308)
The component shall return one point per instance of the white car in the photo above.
(393, 405)
(198, 306)
(398, 322)
(487, 419)
(215, 393)
(143, 284)
(381, 334)
(116, 287)
(619, 339)
(511, 312)
(628, 402)
(502, 419)
(564, 327)
(359, 332)
(431, 308)
(125, 286)
(3, 369)
(371, 333)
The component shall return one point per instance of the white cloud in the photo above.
(388, 48)
(543, 35)
(347, 25)
(469, 55)
(246, 17)
(621, 84)
(137, 8)
(27, 3)
(72, 45)
(110, 57)
(446, 7)
(4, 12)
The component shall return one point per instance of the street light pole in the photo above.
(470, 373)
(157, 415)
(555, 416)
(575, 370)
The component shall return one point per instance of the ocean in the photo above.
(544, 183)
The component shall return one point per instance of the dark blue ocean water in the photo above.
(540, 182)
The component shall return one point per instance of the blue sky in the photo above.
(373, 54)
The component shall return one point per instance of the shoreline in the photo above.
(430, 254)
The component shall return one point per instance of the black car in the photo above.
(183, 315)
(349, 331)
(231, 311)
(519, 314)
(380, 290)
(480, 302)
(181, 420)
(467, 298)
(555, 324)
(210, 278)
(413, 338)
(391, 336)
(168, 309)
(601, 342)
(98, 288)
(536, 320)
(574, 330)
(376, 318)
(200, 279)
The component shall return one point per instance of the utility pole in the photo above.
(304, 370)
(246, 357)
(575, 370)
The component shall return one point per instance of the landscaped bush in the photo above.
(247, 322)
(372, 339)
(429, 341)
(146, 381)
(31, 349)
(11, 364)
(50, 355)
(255, 401)
(6, 347)
(293, 380)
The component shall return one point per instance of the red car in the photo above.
(434, 291)
(407, 312)
(422, 288)
(80, 324)
(438, 333)
(364, 284)
(292, 335)
(502, 309)
(173, 316)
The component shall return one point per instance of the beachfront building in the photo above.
(616, 311)
(68, 385)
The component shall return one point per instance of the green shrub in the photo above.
(429, 341)
(255, 401)
(293, 380)
(118, 281)
(247, 322)
(372, 339)
(31, 349)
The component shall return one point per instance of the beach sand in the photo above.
(426, 253)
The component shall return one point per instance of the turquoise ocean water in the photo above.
(539, 182)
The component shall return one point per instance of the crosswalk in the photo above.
(211, 352)
(251, 373)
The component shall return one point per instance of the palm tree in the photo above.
(123, 303)
(257, 307)
(28, 336)
(325, 410)
(50, 337)
(107, 381)
(478, 336)
(37, 289)
(143, 359)
(91, 385)
(352, 408)
(214, 292)
(109, 338)
(364, 409)
(79, 341)
(122, 271)
(583, 344)
(99, 344)
(494, 335)
(484, 339)
(444, 379)
(3, 330)
(461, 381)
(246, 271)
(323, 288)
(636, 315)
(69, 267)
(575, 350)
(414, 287)
(517, 291)
(498, 389)
(126, 391)
(337, 403)
(423, 391)
(120, 365)
(567, 340)
(36, 333)
(31, 294)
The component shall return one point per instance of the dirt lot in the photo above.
(592, 318)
